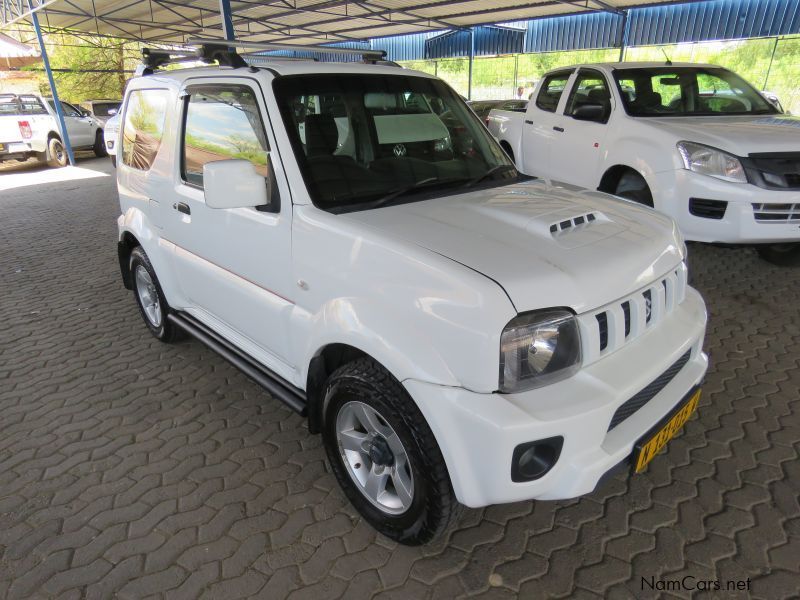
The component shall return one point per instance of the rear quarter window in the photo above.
(143, 127)
(550, 92)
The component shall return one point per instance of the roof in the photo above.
(13, 54)
(301, 22)
(613, 66)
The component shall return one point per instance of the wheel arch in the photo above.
(613, 175)
(324, 362)
(127, 242)
(508, 149)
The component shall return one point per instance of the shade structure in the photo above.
(287, 21)
(14, 55)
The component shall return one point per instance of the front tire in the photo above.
(633, 187)
(384, 455)
(57, 153)
(149, 297)
(782, 255)
(99, 147)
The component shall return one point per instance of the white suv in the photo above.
(352, 238)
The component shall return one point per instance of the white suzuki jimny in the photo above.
(352, 238)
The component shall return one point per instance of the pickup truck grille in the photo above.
(777, 213)
(774, 170)
(609, 328)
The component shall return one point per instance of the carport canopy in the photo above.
(297, 22)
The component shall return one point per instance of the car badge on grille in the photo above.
(399, 150)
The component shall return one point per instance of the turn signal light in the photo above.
(25, 130)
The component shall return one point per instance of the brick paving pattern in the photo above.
(129, 468)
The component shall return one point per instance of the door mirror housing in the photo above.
(590, 112)
(236, 184)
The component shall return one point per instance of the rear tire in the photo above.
(384, 455)
(782, 255)
(633, 187)
(57, 153)
(507, 148)
(150, 299)
(99, 147)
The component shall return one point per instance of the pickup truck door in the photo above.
(81, 130)
(540, 122)
(578, 145)
(232, 264)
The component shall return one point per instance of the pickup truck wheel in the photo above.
(633, 187)
(384, 455)
(152, 304)
(782, 255)
(57, 153)
(99, 147)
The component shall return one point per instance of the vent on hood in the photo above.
(567, 224)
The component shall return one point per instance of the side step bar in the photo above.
(281, 389)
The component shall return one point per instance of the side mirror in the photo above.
(236, 184)
(590, 112)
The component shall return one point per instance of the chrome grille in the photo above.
(776, 213)
(609, 328)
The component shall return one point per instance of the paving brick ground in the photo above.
(129, 468)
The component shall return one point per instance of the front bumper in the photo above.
(671, 193)
(477, 433)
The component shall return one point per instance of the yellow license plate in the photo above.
(652, 444)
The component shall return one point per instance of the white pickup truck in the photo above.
(29, 129)
(695, 141)
(351, 237)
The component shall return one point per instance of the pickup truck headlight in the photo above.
(539, 348)
(710, 161)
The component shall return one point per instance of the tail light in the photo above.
(25, 130)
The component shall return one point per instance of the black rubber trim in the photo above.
(124, 255)
(643, 397)
(281, 389)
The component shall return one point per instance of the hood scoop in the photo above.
(573, 231)
(570, 224)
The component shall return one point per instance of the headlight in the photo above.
(713, 162)
(539, 348)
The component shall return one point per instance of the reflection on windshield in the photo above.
(688, 91)
(363, 141)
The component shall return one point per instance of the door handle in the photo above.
(182, 207)
(559, 129)
(527, 122)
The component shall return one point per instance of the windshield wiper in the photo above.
(401, 191)
(489, 173)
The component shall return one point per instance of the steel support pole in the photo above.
(62, 125)
(623, 35)
(471, 60)
(227, 19)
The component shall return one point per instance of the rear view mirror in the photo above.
(235, 184)
(669, 81)
(590, 112)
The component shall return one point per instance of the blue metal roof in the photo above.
(650, 25)
(489, 40)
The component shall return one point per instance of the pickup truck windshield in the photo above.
(364, 141)
(688, 91)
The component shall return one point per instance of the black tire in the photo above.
(507, 148)
(57, 154)
(114, 161)
(99, 147)
(633, 187)
(782, 255)
(433, 504)
(163, 330)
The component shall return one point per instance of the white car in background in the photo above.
(29, 129)
(110, 133)
(694, 141)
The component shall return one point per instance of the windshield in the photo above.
(365, 140)
(688, 91)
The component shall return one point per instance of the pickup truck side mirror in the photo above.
(590, 112)
(236, 184)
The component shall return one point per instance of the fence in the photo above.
(768, 63)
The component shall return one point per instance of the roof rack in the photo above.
(224, 53)
(370, 56)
